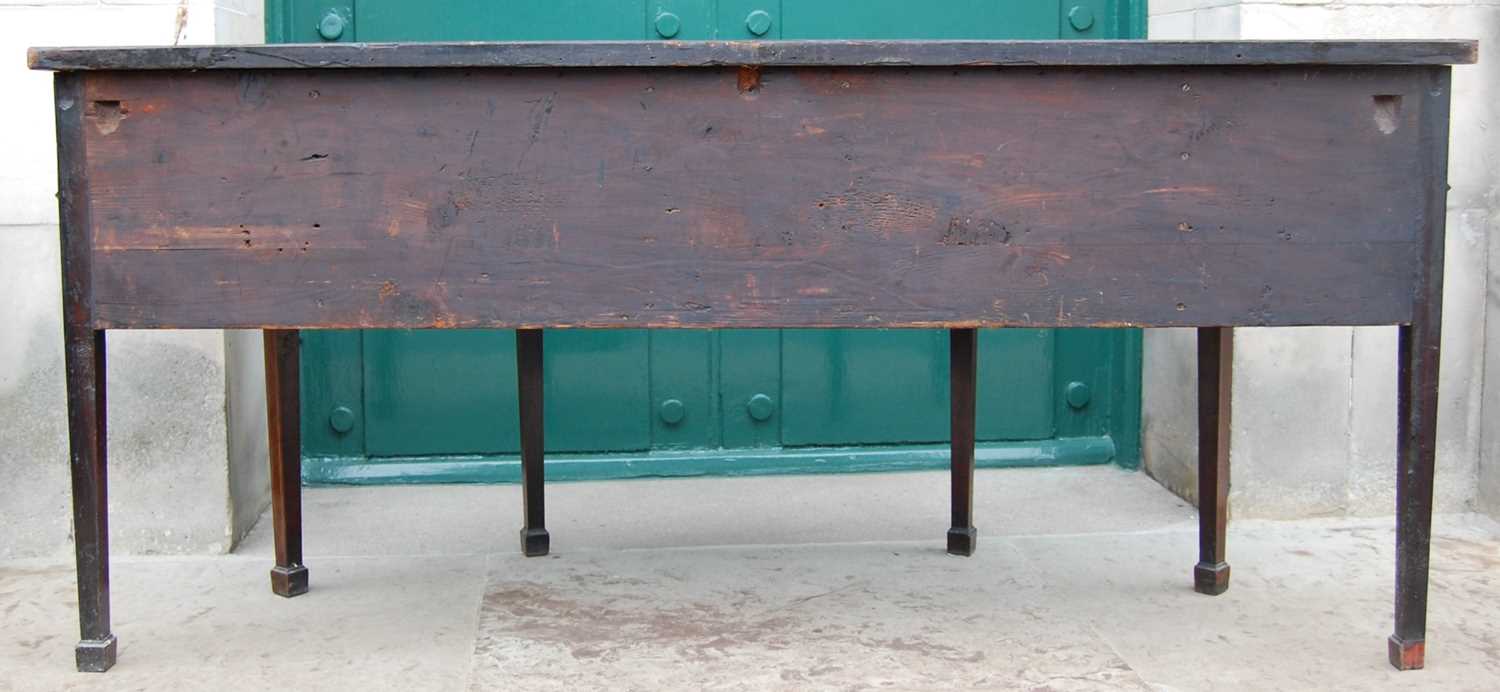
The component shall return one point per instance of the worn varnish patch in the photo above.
(623, 197)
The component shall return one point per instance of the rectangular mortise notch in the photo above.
(1387, 112)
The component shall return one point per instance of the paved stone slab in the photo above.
(213, 623)
(1308, 606)
(1082, 581)
(858, 616)
(769, 510)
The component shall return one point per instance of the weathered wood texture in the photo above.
(734, 53)
(1419, 354)
(715, 197)
(963, 386)
(283, 358)
(1215, 386)
(535, 541)
(84, 369)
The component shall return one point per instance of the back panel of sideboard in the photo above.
(731, 197)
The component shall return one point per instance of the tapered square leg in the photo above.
(1215, 382)
(1416, 448)
(83, 366)
(284, 422)
(963, 369)
(84, 363)
(534, 539)
(1418, 355)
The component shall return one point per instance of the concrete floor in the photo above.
(1082, 582)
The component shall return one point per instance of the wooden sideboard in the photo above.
(843, 184)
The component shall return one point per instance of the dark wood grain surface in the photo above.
(84, 366)
(772, 185)
(283, 362)
(765, 53)
(1419, 357)
(727, 197)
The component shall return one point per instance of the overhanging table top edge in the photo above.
(151, 324)
(756, 53)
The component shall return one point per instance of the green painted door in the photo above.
(403, 406)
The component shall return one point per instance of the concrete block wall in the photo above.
(181, 479)
(1315, 408)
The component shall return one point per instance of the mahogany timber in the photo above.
(535, 541)
(764, 53)
(963, 387)
(1215, 385)
(283, 359)
(758, 184)
(821, 197)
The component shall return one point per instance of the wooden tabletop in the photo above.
(777, 53)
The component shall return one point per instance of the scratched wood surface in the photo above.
(763, 53)
(771, 196)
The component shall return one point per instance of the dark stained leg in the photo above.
(1215, 375)
(284, 421)
(83, 363)
(963, 368)
(534, 539)
(1416, 446)
(86, 436)
(1419, 350)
